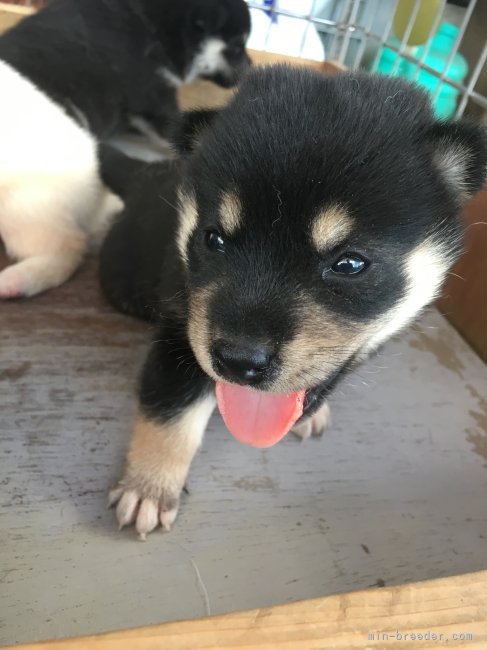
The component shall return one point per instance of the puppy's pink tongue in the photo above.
(257, 418)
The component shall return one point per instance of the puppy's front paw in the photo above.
(315, 425)
(158, 461)
(145, 504)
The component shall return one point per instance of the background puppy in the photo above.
(80, 68)
(315, 218)
(116, 64)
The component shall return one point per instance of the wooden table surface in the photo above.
(450, 612)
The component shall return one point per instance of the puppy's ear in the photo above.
(186, 135)
(460, 155)
(208, 19)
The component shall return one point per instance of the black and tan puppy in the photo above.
(313, 218)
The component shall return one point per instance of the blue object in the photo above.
(436, 58)
(271, 4)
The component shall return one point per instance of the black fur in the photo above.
(101, 57)
(140, 248)
(170, 380)
(290, 143)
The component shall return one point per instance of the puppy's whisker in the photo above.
(177, 295)
(163, 198)
(371, 372)
(455, 275)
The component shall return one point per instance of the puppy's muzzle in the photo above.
(247, 363)
(232, 76)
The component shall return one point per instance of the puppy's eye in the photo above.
(214, 241)
(349, 264)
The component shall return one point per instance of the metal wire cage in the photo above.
(449, 58)
(438, 44)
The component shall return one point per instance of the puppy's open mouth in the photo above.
(258, 418)
(255, 417)
(262, 419)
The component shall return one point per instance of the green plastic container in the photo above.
(442, 44)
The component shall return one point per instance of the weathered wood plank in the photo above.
(464, 298)
(452, 612)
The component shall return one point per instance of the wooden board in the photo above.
(465, 294)
(451, 612)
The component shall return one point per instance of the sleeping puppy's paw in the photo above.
(13, 282)
(144, 504)
(315, 425)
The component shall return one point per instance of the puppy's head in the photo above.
(217, 31)
(319, 215)
(204, 38)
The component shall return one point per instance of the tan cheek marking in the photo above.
(230, 213)
(322, 344)
(188, 220)
(426, 269)
(198, 327)
(330, 227)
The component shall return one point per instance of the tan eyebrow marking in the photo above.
(230, 212)
(330, 226)
(188, 220)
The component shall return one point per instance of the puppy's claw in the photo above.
(127, 508)
(114, 496)
(146, 513)
(147, 517)
(314, 425)
(167, 517)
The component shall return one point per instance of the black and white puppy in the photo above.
(311, 219)
(82, 70)
(116, 63)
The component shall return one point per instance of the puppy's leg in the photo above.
(109, 207)
(315, 425)
(48, 256)
(176, 401)
(149, 132)
(155, 113)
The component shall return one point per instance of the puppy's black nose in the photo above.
(243, 363)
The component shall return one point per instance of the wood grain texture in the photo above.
(451, 612)
(465, 295)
